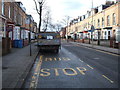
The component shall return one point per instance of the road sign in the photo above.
(92, 28)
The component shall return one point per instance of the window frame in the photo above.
(3, 8)
(108, 20)
(103, 22)
(98, 22)
(9, 11)
(114, 18)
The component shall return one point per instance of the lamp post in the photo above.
(30, 37)
(98, 37)
(92, 27)
(92, 30)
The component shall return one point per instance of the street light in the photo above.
(99, 37)
(92, 27)
(30, 25)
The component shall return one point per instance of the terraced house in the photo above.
(15, 23)
(2, 20)
(105, 19)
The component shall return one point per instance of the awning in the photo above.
(94, 29)
(98, 29)
(85, 31)
(22, 27)
(89, 30)
(71, 33)
(80, 32)
(107, 28)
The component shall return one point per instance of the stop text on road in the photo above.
(45, 72)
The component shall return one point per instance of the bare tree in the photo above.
(52, 26)
(39, 11)
(58, 27)
(46, 20)
(66, 22)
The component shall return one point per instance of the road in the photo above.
(74, 67)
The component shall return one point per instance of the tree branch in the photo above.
(36, 7)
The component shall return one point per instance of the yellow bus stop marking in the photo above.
(35, 77)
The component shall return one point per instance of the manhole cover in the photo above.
(4, 67)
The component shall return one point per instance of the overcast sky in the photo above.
(62, 8)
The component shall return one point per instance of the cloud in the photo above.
(60, 8)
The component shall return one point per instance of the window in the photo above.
(91, 23)
(15, 16)
(103, 22)
(114, 19)
(88, 24)
(3, 7)
(94, 22)
(105, 33)
(98, 22)
(109, 33)
(9, 12)
(108, 20)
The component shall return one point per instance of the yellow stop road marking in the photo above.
(47, 72)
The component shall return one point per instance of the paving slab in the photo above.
(107, 49)
(16, 66)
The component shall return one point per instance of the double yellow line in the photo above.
(100, 51)
(35, 77)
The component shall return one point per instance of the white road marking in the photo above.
(81, 60)
(108, 79)
(90, 66)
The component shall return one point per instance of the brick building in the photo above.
(15, 22)
(2, 20)
(63, 32)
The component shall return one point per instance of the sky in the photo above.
(61, 8)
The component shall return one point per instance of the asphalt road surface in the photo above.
(74, 67)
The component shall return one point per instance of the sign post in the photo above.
(30, 38)
(92, 30)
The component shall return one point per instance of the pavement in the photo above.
(103, 48)
(16, 65)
